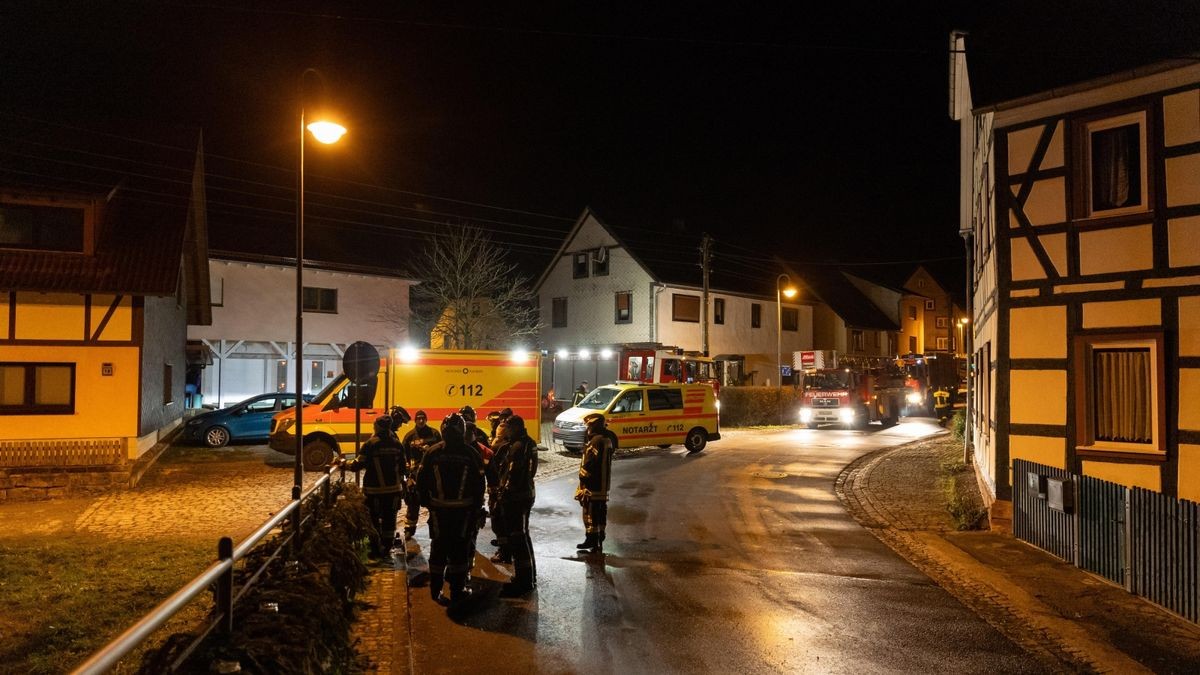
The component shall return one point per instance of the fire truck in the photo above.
(926, 374)
(655, 364)
(852, 393)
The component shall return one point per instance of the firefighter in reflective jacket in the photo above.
(595, 469)
(450, 484)
(515, 495)
(421, 438)
(383, 483)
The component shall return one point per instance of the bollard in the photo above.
(225, 585)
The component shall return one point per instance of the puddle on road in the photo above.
(771, 474)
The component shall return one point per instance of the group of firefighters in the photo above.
(463, 475)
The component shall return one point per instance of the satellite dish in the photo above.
(360, 362)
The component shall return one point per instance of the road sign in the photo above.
(785, 371)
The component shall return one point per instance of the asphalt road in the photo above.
(736, 559)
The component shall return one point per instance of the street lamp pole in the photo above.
(325, 132)
(789, 292)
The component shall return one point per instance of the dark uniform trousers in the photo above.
(595, 515)
(382, 509)
(515, 525)
(452, 545)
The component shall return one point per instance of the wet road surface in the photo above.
(736, 559)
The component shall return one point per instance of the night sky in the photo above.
(815, 134)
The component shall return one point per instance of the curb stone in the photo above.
(1058, 643)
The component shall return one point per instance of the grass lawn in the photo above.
(64, 597)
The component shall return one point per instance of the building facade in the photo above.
(607, 287)
(1083, 210)
(251, 339)
(96, 292)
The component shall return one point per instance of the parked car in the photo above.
(248, 420)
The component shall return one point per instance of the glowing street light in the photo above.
(789, 291)
(325, 132)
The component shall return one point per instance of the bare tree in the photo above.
(470, 296)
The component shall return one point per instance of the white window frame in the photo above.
(1138, 118)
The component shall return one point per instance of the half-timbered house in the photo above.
(99, 277)
(1081, 204)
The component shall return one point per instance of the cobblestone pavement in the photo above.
(1070, 619)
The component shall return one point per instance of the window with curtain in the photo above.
(624, 307)
(1116, 164)
(1122, 395)
(685, 308)
(1119, 384)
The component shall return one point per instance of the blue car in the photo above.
(248, 420)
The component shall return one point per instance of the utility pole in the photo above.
(705, 260)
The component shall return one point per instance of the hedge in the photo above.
(758, 406)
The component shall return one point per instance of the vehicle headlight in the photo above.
(806, 415)
(914, 397)
(846, 414)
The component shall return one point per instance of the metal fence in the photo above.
(218, 578)
(1144, 540)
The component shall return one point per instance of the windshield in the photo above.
(333, 384)
(835, 379)
(599, 399)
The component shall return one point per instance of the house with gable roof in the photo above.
(102, 268)
(611, 285)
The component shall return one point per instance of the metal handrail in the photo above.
(108, 656)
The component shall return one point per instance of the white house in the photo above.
(609, 286)
(253, 330)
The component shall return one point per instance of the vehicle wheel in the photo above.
(812, 425)
(215, 437)
(318, 454)
(890, 422)
(861, 421)
(696, 440)
(665, 446)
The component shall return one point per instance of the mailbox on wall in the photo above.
(1036, 484)
(1060, 494)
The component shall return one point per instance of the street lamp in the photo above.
(960, 348)
(789, 292)
(325, 132)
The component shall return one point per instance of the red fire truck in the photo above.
(656, 364)
(853, 395)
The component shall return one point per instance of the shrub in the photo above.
(958, 425)
(758, 406)
(310, 631)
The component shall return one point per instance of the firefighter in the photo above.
(595, 469)
(417, 442)
(382, 457)
(515, 495)
(495, 469)
(450, 484)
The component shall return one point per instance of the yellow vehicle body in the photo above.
(437, 381)
(646, 414)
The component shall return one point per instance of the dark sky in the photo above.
(815, 133)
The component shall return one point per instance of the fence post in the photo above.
(1127, 544)
(296, 523)
(225, 585)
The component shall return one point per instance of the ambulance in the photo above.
(440, 382)
(646, 414)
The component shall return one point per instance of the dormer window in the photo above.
(42, 227)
